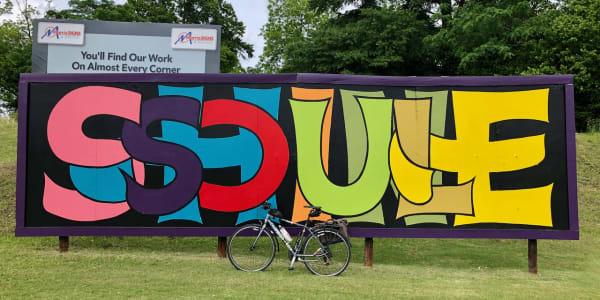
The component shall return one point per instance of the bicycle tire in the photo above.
(251, 260)
(327, 262)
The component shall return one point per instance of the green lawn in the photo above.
(134, 267)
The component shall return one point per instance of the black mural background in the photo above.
(44, 96)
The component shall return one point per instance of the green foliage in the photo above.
(571, 45)
(15, 58)
(335, 5)
(483, 38)
(441, 37)
(15, 52)
(510, 37)
(289, 23)
(215, 12)
(107, 10)
(364, 41)
(6, 7)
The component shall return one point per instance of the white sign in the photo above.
(106, 53)
(194, 38)
(60, 33)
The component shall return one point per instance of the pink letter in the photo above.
(71, 205)
(66, 137)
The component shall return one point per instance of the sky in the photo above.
(253, 13)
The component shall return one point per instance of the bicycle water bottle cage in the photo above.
(275, 213)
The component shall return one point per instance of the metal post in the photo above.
(532, 256)
(221, 246)
(63, 243)
(369, 252)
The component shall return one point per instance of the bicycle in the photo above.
(323, 250)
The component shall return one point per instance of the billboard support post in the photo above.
(63, 243)
(369, 251)
(532, 255)
(221, 246)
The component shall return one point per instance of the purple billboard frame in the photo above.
(567, 80)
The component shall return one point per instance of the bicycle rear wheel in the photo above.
(248, 251)
(329, 250)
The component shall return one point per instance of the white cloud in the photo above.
(254, 14)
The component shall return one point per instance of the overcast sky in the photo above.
(253, 13)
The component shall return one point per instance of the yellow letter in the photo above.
(473, 156)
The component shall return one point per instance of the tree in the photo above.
(484, 38)
(570, 44)
(336, 5)
(365, 41)
(289, 23)
(105, 10)
(215, 12)
(15, 51)
(297, 27)
(512, 37)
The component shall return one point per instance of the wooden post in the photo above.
(369, 252)
(532, 256)
(221, 246)
(63, 243)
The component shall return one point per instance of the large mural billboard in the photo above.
(197, 154)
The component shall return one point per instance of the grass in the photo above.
(8, 162)
(160, 267)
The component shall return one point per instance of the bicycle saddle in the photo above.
(275, 213)
(313, 207)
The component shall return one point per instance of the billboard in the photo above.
(83, 46)
(474, 157)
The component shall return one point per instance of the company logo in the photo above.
(50, 32)
(60, 33)
(194, 38)
(54, 31)
(186, 37)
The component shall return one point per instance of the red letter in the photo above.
(275, 156)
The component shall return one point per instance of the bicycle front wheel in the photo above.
(329, 252)
(248, 251)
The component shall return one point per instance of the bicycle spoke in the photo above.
(330, 253)
(248, 251)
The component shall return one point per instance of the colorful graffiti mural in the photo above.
(193, 154)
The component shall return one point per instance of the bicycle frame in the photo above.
(296, 249)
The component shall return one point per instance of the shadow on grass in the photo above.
(465, 254)
(471, 253)
(461, 254)
(150, 244)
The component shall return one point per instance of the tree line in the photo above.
(380, 37)
(440, 37)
